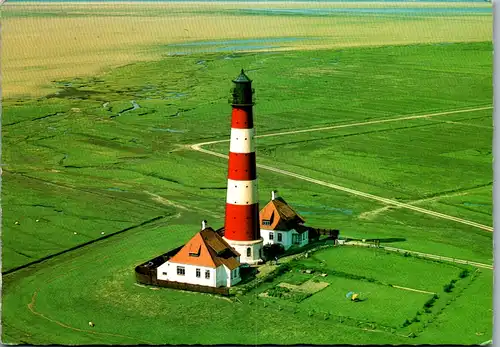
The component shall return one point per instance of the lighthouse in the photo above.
(241, 227)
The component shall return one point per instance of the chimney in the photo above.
(273, 196)
(203, 224)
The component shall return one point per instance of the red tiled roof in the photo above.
(280, 215)
(207, 248)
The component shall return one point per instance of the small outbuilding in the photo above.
(279, 223)
(205, 260)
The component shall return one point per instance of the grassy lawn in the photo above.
(379, 300)
(397, 284)
(81, 158)
(474, 307)
(106, 294)
(391, 268)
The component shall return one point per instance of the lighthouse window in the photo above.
(181, 270)
(207, 274)
(249, 252)
(280, 237)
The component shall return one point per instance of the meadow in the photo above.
(97, 156)
(51, 41)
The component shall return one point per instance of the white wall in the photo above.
(305, 238)
(286, 237)
(230, 281)
(242, 250)
(219, 277)
(286, 240)
(190, 277)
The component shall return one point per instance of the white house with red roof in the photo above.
(205, 260)
(279, 223)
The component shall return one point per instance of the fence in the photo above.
(315, 233)
(146, 274)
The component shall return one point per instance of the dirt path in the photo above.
(413, 290)
(350, 125)
(197, 147)
(371, 214)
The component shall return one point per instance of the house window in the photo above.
(198, 273)
(249, 252)
(164, 273)
(266, 222)
(237, 271)
(271, 236)
(280, 237)
(181, 271)
(207, 274)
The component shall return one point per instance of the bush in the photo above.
(273, 250)
(448, 287)
(429, 303)
(406, 323)
(278, 292)
(464, 273)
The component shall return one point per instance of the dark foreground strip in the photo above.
(81, 245)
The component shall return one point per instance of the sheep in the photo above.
(91, 324)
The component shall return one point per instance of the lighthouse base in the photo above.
(250, 251)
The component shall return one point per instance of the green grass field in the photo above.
(80, 165)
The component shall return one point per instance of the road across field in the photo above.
(388, 120)
(197, 147)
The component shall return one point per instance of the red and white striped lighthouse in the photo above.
(241, 228)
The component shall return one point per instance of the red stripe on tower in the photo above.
(241, 228)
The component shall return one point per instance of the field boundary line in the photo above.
(413, 290)
(439, 257)
(423, 255)
(331, 127)
(81, 245)
(198, 147)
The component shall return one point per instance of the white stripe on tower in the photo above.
(242, 140)
(241, 192)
